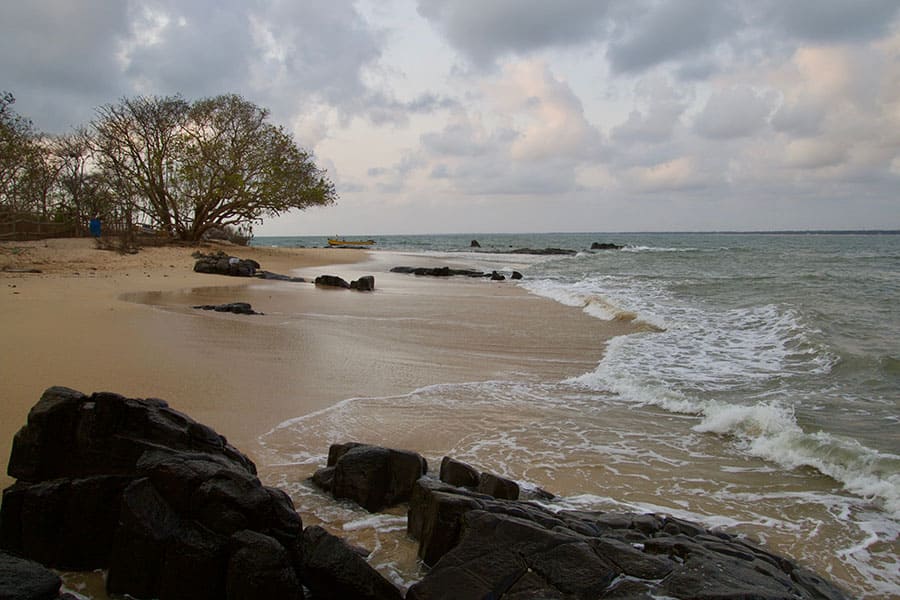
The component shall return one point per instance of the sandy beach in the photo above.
(98, 320)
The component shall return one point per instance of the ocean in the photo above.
(761, 394)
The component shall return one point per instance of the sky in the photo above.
(458, 116)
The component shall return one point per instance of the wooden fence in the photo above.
(24, 229)
(18, 230)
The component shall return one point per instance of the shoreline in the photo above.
(71, 324)
(96, 320)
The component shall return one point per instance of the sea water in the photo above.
(762, 395)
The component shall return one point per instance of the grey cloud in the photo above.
(485, 31)
(732, 113)
(671, 31)
(64, 59)
(800, 120)
(57, 58)
(833, 20)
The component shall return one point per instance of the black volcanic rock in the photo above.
(332, 281)
(22, 579)
(135, 487)
(481, 547)
(372, 476)
(223, 264)
(238, 308)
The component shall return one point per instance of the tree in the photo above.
(214, 163)
(18, 157)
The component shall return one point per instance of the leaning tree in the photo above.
(215, 162)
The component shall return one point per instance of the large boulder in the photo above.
(70, 434)
(333, 570)
(221, 263)
(372, 476)
(22, 579)
(260, 567)
(482, 547)
(331, 281)
(161, 501)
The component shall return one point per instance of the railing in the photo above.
(24, 229)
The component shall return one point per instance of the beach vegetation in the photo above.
(183, 170)
(209, 164)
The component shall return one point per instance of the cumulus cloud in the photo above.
(657, 112)
(732, 113)
(485, 31)
(663, 32)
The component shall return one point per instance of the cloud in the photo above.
(833, 20)
(57, 57)
(659, 32)
(814, 154)
(732, 113)
(550, 116)
(486, 31)
(657, 113)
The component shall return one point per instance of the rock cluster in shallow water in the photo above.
(171, 510)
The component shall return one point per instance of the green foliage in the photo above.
(214, 163)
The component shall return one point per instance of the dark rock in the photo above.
(474, 244)
(136, 487)
(458, 473)
(22, 579)
(365, 283)
(63, 523)
(333, 570)
(495, 276)
(69, 434)
(223, 264)
(139, 548)
(376, 477)
(499, 555)
(439, 521)
(260, 567)
(332, 281)
(478, 546)
(268, 275)
(544, 251)
(336, 451)
(238, 308)
(605, 246)
(516, 275)
(437, 271)
(498, 487)
(194, 565)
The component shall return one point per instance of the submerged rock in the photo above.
(239, 308)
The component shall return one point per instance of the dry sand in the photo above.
(96, 320)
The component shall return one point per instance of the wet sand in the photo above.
(69, 325)
(95, 320)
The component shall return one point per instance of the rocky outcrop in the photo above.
(474, 244)
(22, 579)
(448, 272)
(605, 246)
(544, 251)
(162, 502)
(172, 511)
(332, 569)
(239, 308)
(277, 277)
(481, 547)
(372, 476)
(221, 263)
(365, 283)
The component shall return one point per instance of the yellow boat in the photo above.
(340, 242)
